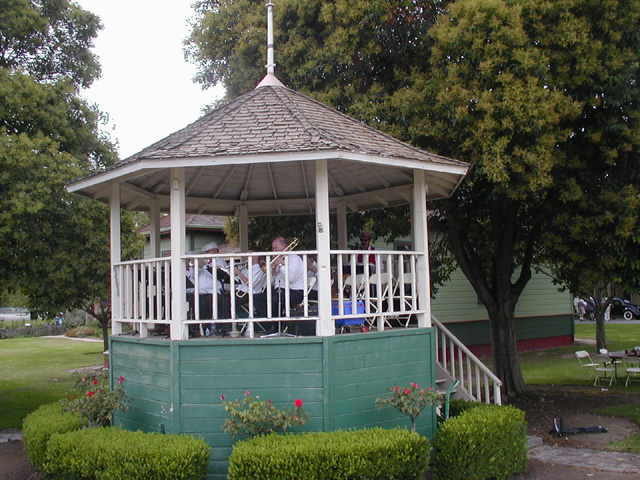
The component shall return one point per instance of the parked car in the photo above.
(626, 309)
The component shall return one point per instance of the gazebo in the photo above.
(272, 151)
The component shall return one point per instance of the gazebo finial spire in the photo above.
(270, 78)
(270, 57)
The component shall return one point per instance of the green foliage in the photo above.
(112, 453)
(458, 406)
(39, 426)
(409, 401)
(339, 455)
(481, 443)
(55, 246)
(253, 417)
(94, 400)
(49, 40)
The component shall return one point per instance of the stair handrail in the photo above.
(457, 368)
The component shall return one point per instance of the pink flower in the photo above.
(120, 379)
(99, 391)
(414, 385)
(247, 393)
(298, 403)
(431, 389)
(90, 394)
(221, 397)
(269, 401)
(407, 391)
(396, 388)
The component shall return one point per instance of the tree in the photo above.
(595, 239)
(513, 87)
(55, 245)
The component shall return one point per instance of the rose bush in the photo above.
(253, 417)
(94, 400)
(409, 401)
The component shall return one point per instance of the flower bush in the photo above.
(253, 417)
(94, 400)
(409, 401)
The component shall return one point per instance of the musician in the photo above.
(258, 278)
(365, 244)
(297, 273)
(206, 285)
(312, 271)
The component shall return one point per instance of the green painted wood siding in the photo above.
(456, 301)
(178, 384)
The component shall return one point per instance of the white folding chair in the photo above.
(587, 364)
(381, 298)
(604, 369)
(632, 367)
(405, 292)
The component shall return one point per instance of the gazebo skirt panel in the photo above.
(176, 386)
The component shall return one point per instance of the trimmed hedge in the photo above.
(374, 454)
(116, 454)
(39, 426)
(481, 443)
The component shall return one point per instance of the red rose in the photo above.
(298, 403)
(90, 394)
(407, 391)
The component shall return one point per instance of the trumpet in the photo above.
(276, 260)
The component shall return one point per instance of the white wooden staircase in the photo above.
(454, 361)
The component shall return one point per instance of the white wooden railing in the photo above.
(476, 380)
(382, 293)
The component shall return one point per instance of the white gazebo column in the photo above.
(243, 230)
(115, 246)
(154, 234)
(323, 236)
(179, 330)
(421, 244)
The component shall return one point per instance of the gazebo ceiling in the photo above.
(260, 150)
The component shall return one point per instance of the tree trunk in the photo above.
(504, 348)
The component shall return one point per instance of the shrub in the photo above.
(409, 401)
(94, 400)
(373, 453)
(252, 417)
(82, 332)
(39, 426)
(458, 406)
(115, 454)
(481, 443)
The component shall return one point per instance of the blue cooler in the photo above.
(341, 322)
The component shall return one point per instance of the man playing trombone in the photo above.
(279, 266)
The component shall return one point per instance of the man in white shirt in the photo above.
(206, 285)
(296, 272)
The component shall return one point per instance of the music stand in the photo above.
(279, 333)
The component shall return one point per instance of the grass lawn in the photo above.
(34, 371)
(559, 366)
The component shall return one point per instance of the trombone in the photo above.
(276, 260)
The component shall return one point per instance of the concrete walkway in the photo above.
(588, 458)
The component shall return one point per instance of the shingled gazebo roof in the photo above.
(259, 150)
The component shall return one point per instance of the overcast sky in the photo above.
(146, 87)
